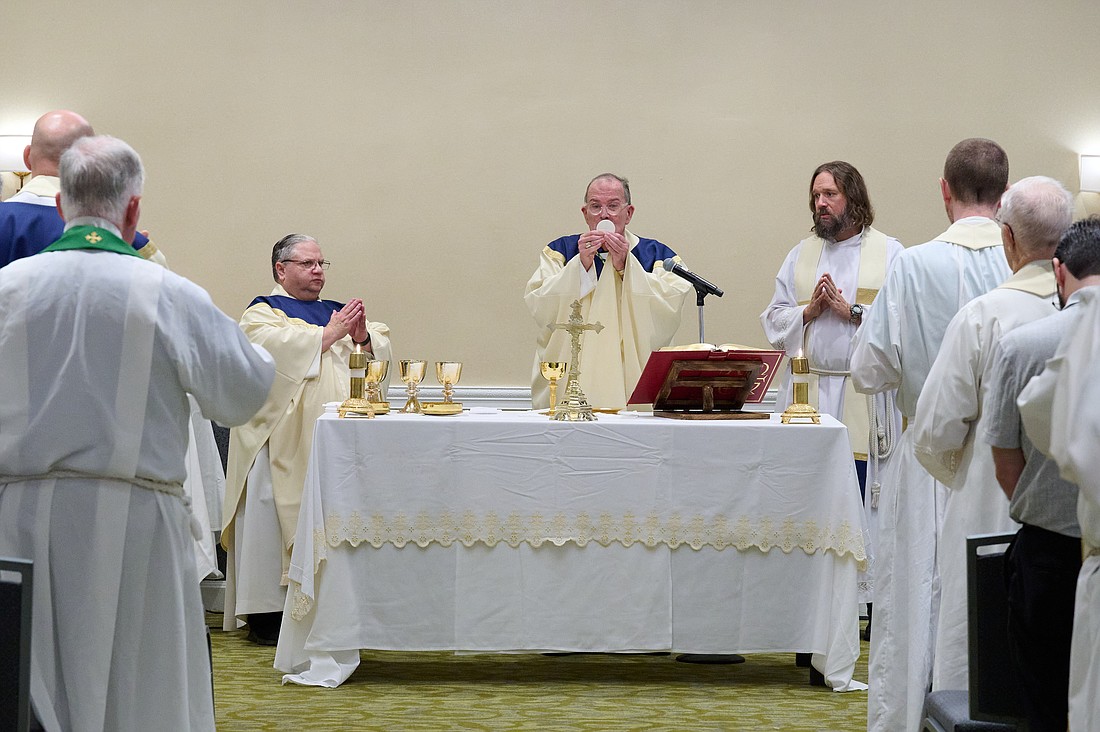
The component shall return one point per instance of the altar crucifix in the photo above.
(575, 407)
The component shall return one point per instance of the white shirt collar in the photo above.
(93, 221)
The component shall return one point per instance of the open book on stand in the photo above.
(703, 381)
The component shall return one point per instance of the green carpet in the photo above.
(441, 691)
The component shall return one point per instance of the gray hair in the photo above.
(610, 176)
(284, 249)
(1039, 210)
(99, 176)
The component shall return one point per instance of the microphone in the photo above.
(671, 265)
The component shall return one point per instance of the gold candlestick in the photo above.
(800, 409)
(357, 405)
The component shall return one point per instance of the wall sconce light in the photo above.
(1090, 173)
(11, 155)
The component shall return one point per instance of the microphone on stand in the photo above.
(671, 265)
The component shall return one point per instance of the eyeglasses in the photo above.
(612, 208)
(309, 263)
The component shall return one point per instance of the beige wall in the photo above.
(434, 147)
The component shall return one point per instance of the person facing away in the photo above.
(1058, 408)
(29, 220)
(895, 349)
(100, 349)
(619, 280)
(1034, 214)
(1044, 559)
(310, 339)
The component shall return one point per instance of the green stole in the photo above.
(91, 237)
(872, 273)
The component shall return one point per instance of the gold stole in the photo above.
(872, 273)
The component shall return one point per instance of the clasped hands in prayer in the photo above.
(348, 320)
(613, 243)
(826, 297)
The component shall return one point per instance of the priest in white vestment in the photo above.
(311, 340)
(1059, 411)
(99, 350)
(636, 300)
(824, 291)
(29, 222)
(895, 349)
(1035, 213)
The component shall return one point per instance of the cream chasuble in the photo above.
(640, 312)
(305, 379)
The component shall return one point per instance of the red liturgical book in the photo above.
(728, 362)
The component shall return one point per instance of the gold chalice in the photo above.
(412, 373)
(552, 371)
(448, 373)
(376, 374)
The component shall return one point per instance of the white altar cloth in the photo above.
(509, 532)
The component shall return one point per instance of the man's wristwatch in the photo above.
(856, 314)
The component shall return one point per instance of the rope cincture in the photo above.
(171, 488)
(883, 438)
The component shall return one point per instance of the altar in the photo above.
(507, 532)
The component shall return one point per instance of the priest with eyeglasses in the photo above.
(310, 339)
(618, 278)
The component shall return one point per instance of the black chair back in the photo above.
(994, 683)
(16, 587)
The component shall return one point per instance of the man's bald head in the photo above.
(54, 133)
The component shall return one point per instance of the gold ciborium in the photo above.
(800, 409)
(412, 373)
(357, 405)
(376, 374)
(447, 373)
(552, 371)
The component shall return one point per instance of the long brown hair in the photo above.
(850, 182)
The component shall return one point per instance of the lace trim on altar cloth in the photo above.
(535, 529)
(514, 529)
